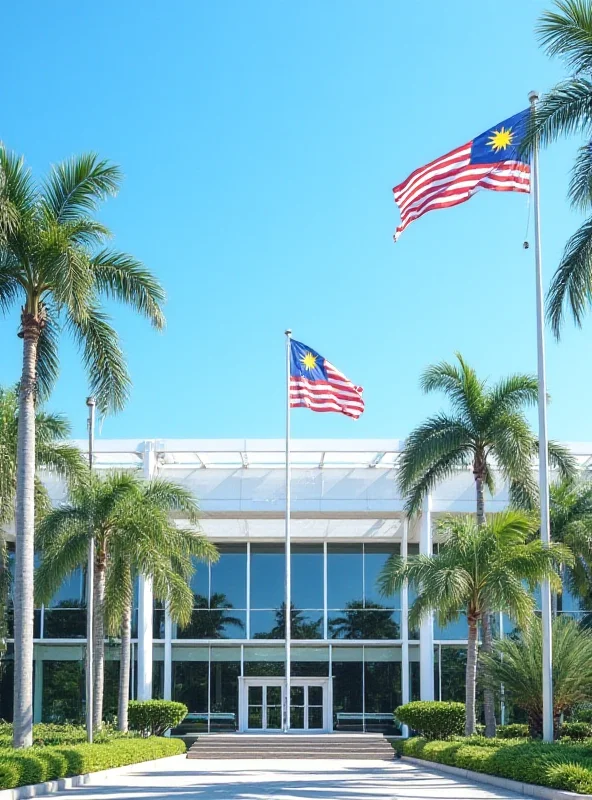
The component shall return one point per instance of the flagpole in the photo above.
(543, 449)
(288, 577)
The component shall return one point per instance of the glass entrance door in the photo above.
(307, 707)
(264, 707)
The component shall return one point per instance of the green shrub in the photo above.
(433, 719)
(576, 730)
(154, 717)
(38, 764)
(52, 734)
(582, 713)
(517, 730)
(572, 777)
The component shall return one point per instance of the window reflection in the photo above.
(272, 624)
(267, 576)
(307, 576)
(345, 575)
(357, 622)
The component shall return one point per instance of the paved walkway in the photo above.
(182, 779)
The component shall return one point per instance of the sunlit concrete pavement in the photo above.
(251, 779)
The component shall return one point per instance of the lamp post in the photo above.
(90, 571)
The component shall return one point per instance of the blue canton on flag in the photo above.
(316, 384)
(490, 161)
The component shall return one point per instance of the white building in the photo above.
(353, 656)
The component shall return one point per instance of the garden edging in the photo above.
(529, 789)
(59, 785)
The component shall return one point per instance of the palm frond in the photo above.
(567, 32)
(562, 111)
(18, 195)
(461, 386)
(10, 288)
(580, 184)
(77, 185)
(511, 394)
(562, 460)
(103, 359)
(47, 356)
(122, 277)
(432, 475)
(571, 285)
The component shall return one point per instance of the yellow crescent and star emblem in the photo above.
(501, 139)
(308, 361)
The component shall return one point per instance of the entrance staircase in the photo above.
(321, 745)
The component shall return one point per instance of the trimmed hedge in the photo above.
(560, 765)
(517, 730)
(52, 734)
(576, 730)
(154, 717)
(433, 719)
(38, 764)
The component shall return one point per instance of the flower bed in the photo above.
(561, 765)
(38, 763)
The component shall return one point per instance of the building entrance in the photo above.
(262, 703)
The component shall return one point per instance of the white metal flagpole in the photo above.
(543, 450)
(288, 586)
(90, 572)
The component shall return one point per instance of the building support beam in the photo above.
(426, 630)
(146, 602)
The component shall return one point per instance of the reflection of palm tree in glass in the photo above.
(301, 627)
(359, 622)
(211, 619)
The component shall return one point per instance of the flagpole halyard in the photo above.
(543, 449)
(288, 573)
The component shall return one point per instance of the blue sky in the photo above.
(260, 142)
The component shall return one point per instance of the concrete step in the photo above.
(351, 747)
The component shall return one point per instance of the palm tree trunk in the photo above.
(24, 603)
(99, 638)
(486, 622)
(124, 668)
(471, 679)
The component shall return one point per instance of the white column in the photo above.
(145, 603)
(426, 630)
(38, 691)
(405, 628)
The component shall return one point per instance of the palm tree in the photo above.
(480, 569)
(54, 262)
(486, 425)
(571, 523)
(564, 110)
(518, 664)
(129, 519)
(51, 452)
(362, 622)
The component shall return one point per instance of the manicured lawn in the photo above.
(561, 765)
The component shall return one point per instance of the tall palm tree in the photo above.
(518, 664)
(129, 519)
(566, 32)
(486, 427)
(52, 451)
(480, 569)
(54, 263)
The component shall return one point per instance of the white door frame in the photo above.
(243, 701)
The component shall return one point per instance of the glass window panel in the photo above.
(347, 694)
(375, 557)
(63, 691)
(255, 695)
(229, 577)
(190, 685)
(200, 583)
(307, 625)
(215, 624)
(414, 681)
(274, 717)
(255, 717)
(382, 682)
(315, 718)
(364, 623)
(297, 718)
(70, 593)
(315, 695)
(344, 575)
(299, 653)
(224, 677)
(307, 577)
(297, 695)
(267, 576)
(264, 661)
(268, 624)
(158, 623)
(7, 683)
(310, 669)
(274, 695)
(454, 630)
(158, 680)
(64, 623)
(452, 678)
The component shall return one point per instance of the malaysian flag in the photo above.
(316, 384)
(490, 161)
